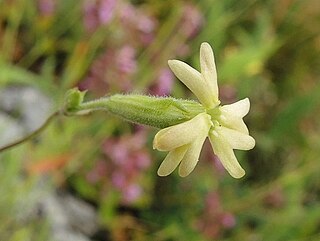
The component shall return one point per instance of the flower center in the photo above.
(215, 114)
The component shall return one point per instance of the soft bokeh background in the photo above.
(94, 177)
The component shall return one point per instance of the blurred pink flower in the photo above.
(47, 7)
(98, 172)
(90, 19)
(118, 179)
(228, 93)
(275, 198)
(112, 71)
(129, 158)
(127, 12)
(97, 12)
(163, 83)
(106, 10)
(126, 160)
(125, 60)
(137, 23)
(212, 202)
(128, 148)
(192, 21)
(214, 220)
(131, 193)
(183, 50)
(228, 220)
(145, 24)
(142, 160)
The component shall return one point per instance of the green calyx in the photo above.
(158, 112)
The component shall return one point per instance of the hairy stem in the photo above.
(32, 134)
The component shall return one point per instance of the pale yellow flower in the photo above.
(223, 125)
(184, 142)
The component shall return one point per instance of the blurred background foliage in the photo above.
(265, 50)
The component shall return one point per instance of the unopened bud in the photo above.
(73, 100)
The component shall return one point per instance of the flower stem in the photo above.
(32, 134)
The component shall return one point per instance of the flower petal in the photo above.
(191, 157)
(239, 108)
(226, 155)
(231, 121)
(194, 81)
(208, 69)
(236, 139)
(178, 135)
(172, 160)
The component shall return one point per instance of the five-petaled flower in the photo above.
(222, 124)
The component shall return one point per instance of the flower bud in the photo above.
(73, 99)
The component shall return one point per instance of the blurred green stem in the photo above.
(32, 134)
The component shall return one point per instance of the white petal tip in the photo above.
(184, 174)
(182, 70)
(247, 144)
(172, 62)
(165, 169)
(238, 174)
(162, 174)
(206, 52)
(155, 144)
(252, 143)
(246, 102)
(205, 45)
(160, 144)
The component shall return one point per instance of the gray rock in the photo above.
(10, 129)
(71, 219)
(22, 110)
